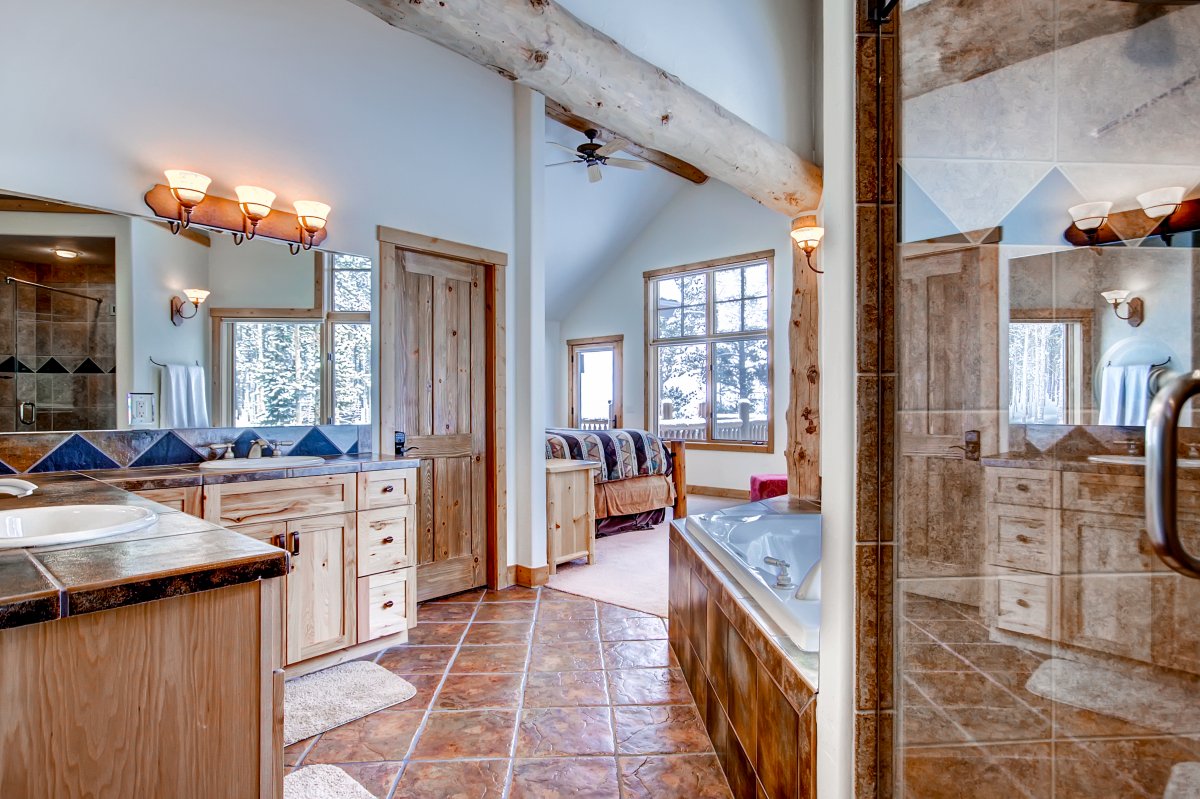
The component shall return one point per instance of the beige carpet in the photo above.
(323, 782)
(630, 568)
(338, 695)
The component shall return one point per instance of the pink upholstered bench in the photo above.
(765, 486)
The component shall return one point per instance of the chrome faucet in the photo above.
(782, 578)
(1133, 446)
(256, 447)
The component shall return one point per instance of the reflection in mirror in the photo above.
(88, 340)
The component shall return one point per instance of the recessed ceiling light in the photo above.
(62, 252)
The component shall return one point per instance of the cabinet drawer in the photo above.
(385, 539)
(1024, 605)
(1036, 488)
(270, 500)
(387, 603)
(185, 499)
(387, 488)
(1024, 538)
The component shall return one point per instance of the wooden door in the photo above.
(949, 358)
(321, 587)
(441, 402)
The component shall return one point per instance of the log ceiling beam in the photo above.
(543, 46)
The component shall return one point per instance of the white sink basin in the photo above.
(259, 464)
(1140, 460)
(69, 524)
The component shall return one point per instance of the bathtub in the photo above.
(742, 537)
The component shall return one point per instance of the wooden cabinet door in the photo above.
(321, 586)
(185, 499)
(434, 329)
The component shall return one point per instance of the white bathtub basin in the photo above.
(69, 524)
(260, 464)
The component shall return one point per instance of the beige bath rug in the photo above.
(1184, 782)
(1160, 702)
(322, 782)
(338, 695)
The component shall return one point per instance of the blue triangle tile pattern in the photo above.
(74, 454)
(52, 367)
(169, 450)
(6, 469)
(88, 367)
(315, 443)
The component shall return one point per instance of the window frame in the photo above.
(1081, 404)
(650, 280)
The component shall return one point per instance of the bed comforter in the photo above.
(623, 453)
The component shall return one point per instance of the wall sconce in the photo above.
(809, 238)
(189, 190)
(255, 203)
(1116, 298)
(1161, 202)
(1090, 217)
(195, 297)
(311, 216)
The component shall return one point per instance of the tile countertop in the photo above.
(1074, 463)
(179, 554)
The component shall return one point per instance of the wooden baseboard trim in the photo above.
(528, 576)
(713, 491)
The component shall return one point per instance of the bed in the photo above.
(641, 474)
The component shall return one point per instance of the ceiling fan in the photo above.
(598, 155)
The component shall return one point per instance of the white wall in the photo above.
(556, 375)
(699, 224)
(259, 274)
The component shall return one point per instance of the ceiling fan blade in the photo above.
(626, 163)
(564, 163)
(570, 150)
(594, 174)
(614, 146)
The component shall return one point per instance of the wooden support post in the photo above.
(803, 414)
(678, 477)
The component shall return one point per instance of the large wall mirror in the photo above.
(88, 339)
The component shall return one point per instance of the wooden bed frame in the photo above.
(678, 477)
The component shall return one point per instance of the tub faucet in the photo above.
(782, 578)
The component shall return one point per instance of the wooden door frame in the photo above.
(496, 491)
(618, 346)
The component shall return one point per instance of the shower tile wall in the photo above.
(56, 350)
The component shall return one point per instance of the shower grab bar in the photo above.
(1162, 442)
(10, 279)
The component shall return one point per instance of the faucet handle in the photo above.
(1132, 444)
(277, 447)
(221, 450)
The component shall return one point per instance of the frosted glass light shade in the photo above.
(189, 188)
(312, 214)
(1158, 203)
(808, 237)
(63, 252)
(255, 201)
(196, 296)
(1115, 296)
(1090, 216)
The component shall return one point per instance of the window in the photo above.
(306, 367)
(708, 357)
(1048, 367)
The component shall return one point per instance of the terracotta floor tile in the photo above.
(513, 593)
(293, 755)
(473, 595)
(466, 733)
(565, 689)
(504, 632)
(495, 659)
(565, 631)
(477, 691)
(638, 655)
(551, 595)
(573, 656)
(608, 611)
(406, 659)
(633, 629)
(648, 687)
(683, 776)
(430, 633)
(384, 735)
(450, 611)
(565, 731)
(463, 779)
(566, 778)
(567, 611)
(663, 729)
(426, 685)
(506, 611)
(378, 778)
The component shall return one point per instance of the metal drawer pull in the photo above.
(388, 489)
(1022, 603)
(295, 545)
(388, 604)
(389, 540)
(1024, 539)
(1162, 443)
(1023, 487)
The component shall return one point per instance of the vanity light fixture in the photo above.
(1090, 217)
(1161, 202)
(1118, 297)
(809, 237)
(255, 203)
(194, 296)
(64, 253)
(189, 190)
(311, 216)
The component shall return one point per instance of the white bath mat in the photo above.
(338, 695)
(1168, 706)
(322, 782)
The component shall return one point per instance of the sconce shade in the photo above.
(1090, 216)
(196, 296)
(312, 214)
(1115, 296)
(255, 201)
(189, 188)
(1161, 202)
(808, 237)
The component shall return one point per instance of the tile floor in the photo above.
(528, 693)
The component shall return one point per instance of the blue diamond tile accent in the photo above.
(315, 443)
(74, 454)
(169, 450)
(6, 469)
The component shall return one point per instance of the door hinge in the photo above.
(881, 10)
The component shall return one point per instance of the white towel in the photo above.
(1112, 395)
(1137, 395)
(183, 400)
